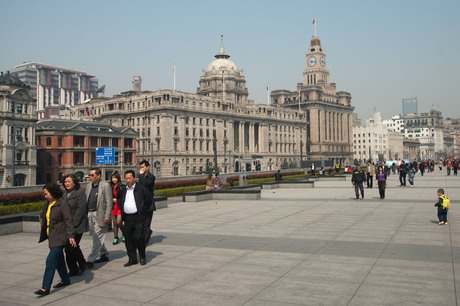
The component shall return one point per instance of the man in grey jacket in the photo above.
(99, 197)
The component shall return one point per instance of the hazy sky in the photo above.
(379, 51)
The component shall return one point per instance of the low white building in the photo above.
(370, 142)
(395, 124)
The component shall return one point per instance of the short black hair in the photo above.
(145, 163)
(74, 179)
(54, 190)
(98, 171)
(131, 171)
(440, 190)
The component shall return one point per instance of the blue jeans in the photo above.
(55, 261)
(442, 216)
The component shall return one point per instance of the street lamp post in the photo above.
(13, 152)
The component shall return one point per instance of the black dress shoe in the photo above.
(103, 258)
(42, 292)
(89, 265)
(143, 261)
(61, 284)
(73, 273)
(82, 270)
(130, 263)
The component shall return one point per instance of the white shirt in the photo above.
(130, 204)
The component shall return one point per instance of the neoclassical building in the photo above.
(176, 130)
(329, 114)
(18, 153)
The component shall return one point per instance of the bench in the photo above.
(327, 178)
(289, 184)
(236, 193)
(161, 202)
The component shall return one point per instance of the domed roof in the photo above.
(221, 63)
(7, 79)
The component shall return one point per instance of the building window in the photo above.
(60, 142)
(48, 141)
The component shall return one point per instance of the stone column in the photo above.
(251, 138)
(241, 140)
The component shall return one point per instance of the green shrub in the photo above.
(20, 208)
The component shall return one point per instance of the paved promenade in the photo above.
(314, 246)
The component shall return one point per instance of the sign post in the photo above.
(105, 155)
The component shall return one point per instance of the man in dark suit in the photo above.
(134, 201)
(147, 179)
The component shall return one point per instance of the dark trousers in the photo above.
(74, 255)
(369, 180)
(55, 261)
(134, 237)
(442, 215)
(402, 178)
(358, 187)
(382, 189)
(147, 231)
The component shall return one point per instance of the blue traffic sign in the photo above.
(105, 155)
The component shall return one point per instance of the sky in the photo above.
(379, 51)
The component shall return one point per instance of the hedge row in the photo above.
(232, 179)
(184, 183)
(20, 208)
(21, 198)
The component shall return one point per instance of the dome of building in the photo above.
(7, 79)
(223, 80)
(222, 64)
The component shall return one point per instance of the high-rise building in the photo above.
(55, 87)
(410, 106)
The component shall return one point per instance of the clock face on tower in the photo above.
(312, 61)
(323, 61)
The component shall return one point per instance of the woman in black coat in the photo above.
(56, 226)
(76, 198)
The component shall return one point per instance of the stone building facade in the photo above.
(69, 147)
(177, 129)
(18, 161)
(329, 114)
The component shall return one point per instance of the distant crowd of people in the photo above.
(66, 216)
(405, 169)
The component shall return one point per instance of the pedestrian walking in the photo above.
(358, 178)
(381, 181)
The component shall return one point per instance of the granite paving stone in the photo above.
(299, 246)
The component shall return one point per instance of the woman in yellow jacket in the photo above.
(56, 226)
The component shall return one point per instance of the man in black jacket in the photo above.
(147, 179)
(358, 178)
(402, 173)
(134, 201)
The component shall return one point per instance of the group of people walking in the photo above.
(406, 172)
(66, 216)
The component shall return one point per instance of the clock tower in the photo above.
(315, 62)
